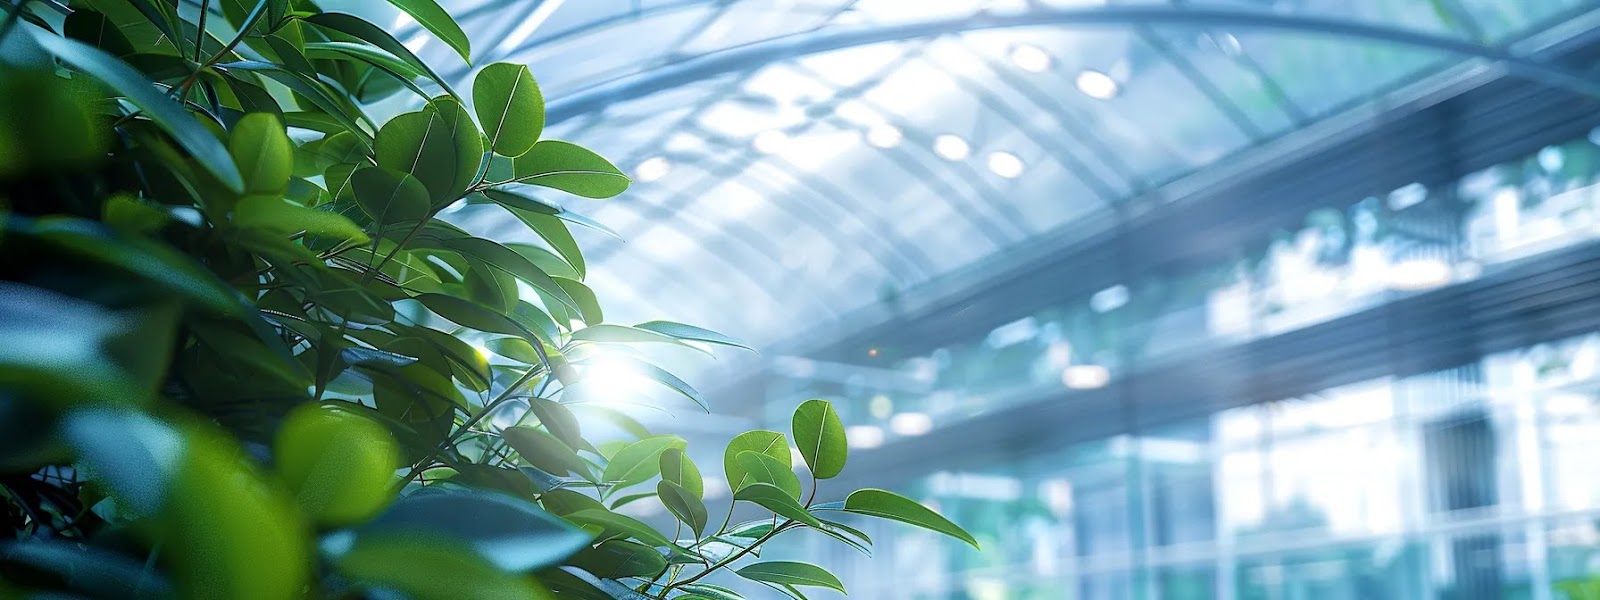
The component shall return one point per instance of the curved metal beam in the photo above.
(740, 58)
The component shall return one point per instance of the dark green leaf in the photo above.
(760, 468)
(565, 502)
(432, 567)
(776, 500)
(438, 145)
(362, 30)
(640, 460)
(677, 468)
(513, 534)
(570, 168)
(516, 349)
(510, 107)
(615, 524)
(770, 443)
(96, 572)
(390, 197)
(819, 434)
(275, 215)
(559, 421)
(467, 314)
(684, 505)
(184, 129)
(621, 558)
(543, 451)
(892, 506)
(791, 573)
(435, 19)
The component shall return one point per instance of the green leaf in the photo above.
(157, 263)
(684, 505)
(713, 592)
(819, 434)
(543, 451)
(473, 316)
(760, 468)
(547, 261)
(791, 573)
(99, 573)
(778, 501)
(588, 304)
(630, 499)
(570, 168)
(892, 506)
(509, 107)
(434, 568)
(548, 227)
(690, 332)
(559, 421)
(276, 215)
(188, 132)
(516, 349)
(677, 468)
(435, 19)
(360, 29)
(336, 105)
(502, 258)
(566, 502)
(390, 197)
(616, 559)
(770, 443)
(263, 152)
(438, 145)
(512, 533)
(615, 524)
(831, 529)
(620, 334)
(640, 460)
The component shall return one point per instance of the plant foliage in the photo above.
(240, 348)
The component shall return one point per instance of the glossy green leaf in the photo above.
(833, 530)
(545, 260)
(188, 132)
(770, 443)
(433, 568)
(640, 460)
(390, 197)
(690, 332)
(761, 468)
(428, 14)
(819, 434)
(791, 573)
(615, 524)
(467, 314)
(438, 145)
(677, 468)
(581, 295)
(157, 263)
(684, 505)
(509, 107)
(549, 228)
(570, 168)
(776, 500)
(360, 29)
(616, 559)
(339, 464)
(544, 451)
(516, 349)
(337, 106)
(620, 334)
(713, 592)
(275, 215)
(559, 421)
(512, 533)
(892, 506)
(505, 259)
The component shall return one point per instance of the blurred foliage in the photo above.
(241, 356)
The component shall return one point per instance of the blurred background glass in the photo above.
(1265, 299)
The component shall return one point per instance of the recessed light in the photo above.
(884, 135)
(1085, 377)
(1005, 164)
(951, 147)
(911, 424)
(1097, 85)
(1030, 58)
(771, 141)
(1419, 274)
(651, 169)
(864, 436)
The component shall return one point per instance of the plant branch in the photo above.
(735, 556)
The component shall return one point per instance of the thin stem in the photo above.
(200, 28)
(735, 556)
(467, 426)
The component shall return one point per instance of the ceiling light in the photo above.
(1419, 274)
(911, 424)
(951, 147)
(1030, 58)
(1085, 377)
(1109, 299)
(771, 141)
(884, 135)
(880, 406)
(401, 20)
(1005, 164)
(863, 436)
(416, 44)
(1097, 85)
(651, 169)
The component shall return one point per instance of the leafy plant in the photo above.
(240, 347)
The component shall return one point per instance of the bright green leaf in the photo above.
(438, 145)
(436, 20)
(544, 451)
(677, 468)
(570, 168)
(761, 468)
(273, 214)
(819, 434)
(776, 500)
(684, 505)
(791, 573)
(770, 443)
(640, 460)
(262, 151)
(509, 107)
(892, 506)
(616, 524)
(390, 197)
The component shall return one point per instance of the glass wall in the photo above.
(1475, 482)
(1342, 259)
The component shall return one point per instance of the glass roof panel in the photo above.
(777, 186)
